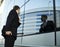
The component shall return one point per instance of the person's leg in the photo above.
(9, 41)
(6, 42)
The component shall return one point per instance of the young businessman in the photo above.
(9, 31)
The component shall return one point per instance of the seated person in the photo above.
(46, 26)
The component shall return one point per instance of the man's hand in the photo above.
(8, 33)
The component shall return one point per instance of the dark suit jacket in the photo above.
(12, 23)
(48, 28)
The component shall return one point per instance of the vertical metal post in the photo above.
(49, 7)
(23, 22)
(54, 11)
(25, 2)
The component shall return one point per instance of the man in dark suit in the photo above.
(46, 26)
(9, 31)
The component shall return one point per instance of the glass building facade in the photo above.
(32, 20)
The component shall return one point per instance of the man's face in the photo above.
(43, 19)
(18, 11)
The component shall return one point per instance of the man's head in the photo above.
(44, 18)
(17, 9)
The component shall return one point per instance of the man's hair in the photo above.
(16, 7)
(44, 16)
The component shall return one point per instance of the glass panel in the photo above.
(58, 21)
(33, 12)
(58, 13)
